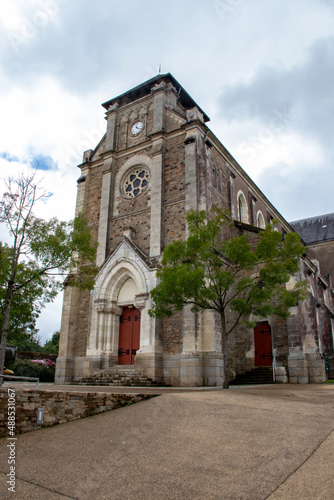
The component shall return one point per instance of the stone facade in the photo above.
(157, 160)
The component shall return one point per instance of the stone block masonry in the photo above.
(59, 407)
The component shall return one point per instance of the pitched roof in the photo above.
(145, 88)
(315, 229)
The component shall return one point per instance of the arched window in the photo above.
(214, 178)
(242, 207)
(219, 182)
(260, 220)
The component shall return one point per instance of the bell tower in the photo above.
(136, 186)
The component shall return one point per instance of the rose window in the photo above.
(135, 182)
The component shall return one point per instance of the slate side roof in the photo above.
(315, 229)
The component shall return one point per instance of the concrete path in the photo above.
(269, 442)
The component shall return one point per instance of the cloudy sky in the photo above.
(263, 70)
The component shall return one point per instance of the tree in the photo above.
(212, 269)
(26, 304)
(52, 346)
(33, 268)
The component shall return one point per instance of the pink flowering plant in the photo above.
(45, 362)
(44, 369)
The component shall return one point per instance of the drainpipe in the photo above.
(321, 346)
(274, 364)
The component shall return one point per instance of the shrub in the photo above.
(42, 370)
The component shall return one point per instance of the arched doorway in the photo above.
(262, 344)
(129, 335)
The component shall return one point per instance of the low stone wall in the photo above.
(20, 406)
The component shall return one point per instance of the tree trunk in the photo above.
(226, 383)
(4, 331)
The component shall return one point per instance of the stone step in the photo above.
(116, 376)
(256, 376)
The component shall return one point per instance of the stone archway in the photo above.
(124, 280)
(120, 285)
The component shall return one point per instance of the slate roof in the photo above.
(315, 229)
(145, 88)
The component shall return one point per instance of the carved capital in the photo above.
(171, 87)
(129, 233)
(140, 300)
(114, 106)
(194, 114)
(159, 86)
(157, 148)
(190, 138)
(108, 307)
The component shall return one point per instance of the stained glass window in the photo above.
(135, 182)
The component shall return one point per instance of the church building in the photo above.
(157, 160)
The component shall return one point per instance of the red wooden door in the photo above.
(263, 346)
(129, 336)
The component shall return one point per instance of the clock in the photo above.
(137, 127)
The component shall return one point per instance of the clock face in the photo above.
(137, 127)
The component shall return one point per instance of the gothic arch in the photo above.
(242, 207)
(124, 264)
(260, 220)
(111, 279)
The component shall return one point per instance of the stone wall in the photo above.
(59, 406)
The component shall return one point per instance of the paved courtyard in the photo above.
(268, 442)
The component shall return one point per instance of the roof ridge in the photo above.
(312, 218)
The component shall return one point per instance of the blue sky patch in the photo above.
(8, 157)
(40, 162)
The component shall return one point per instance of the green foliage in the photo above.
(52, 346)
(215, 270)
(26, 368)
(26, 303)
(44, 257)
(63, 249)
(26, 343)
(212, 270)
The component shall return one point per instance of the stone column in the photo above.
(148, 360)
(111, 130)
(191, 202)
(105, 203)
(157, 187)
(102, 351)
(252, 203)
(159, 101)
(65, 360)
(191, 369)
(191, 189)
(82, 189)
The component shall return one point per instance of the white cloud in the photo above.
(49, 319)
(259, 58)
